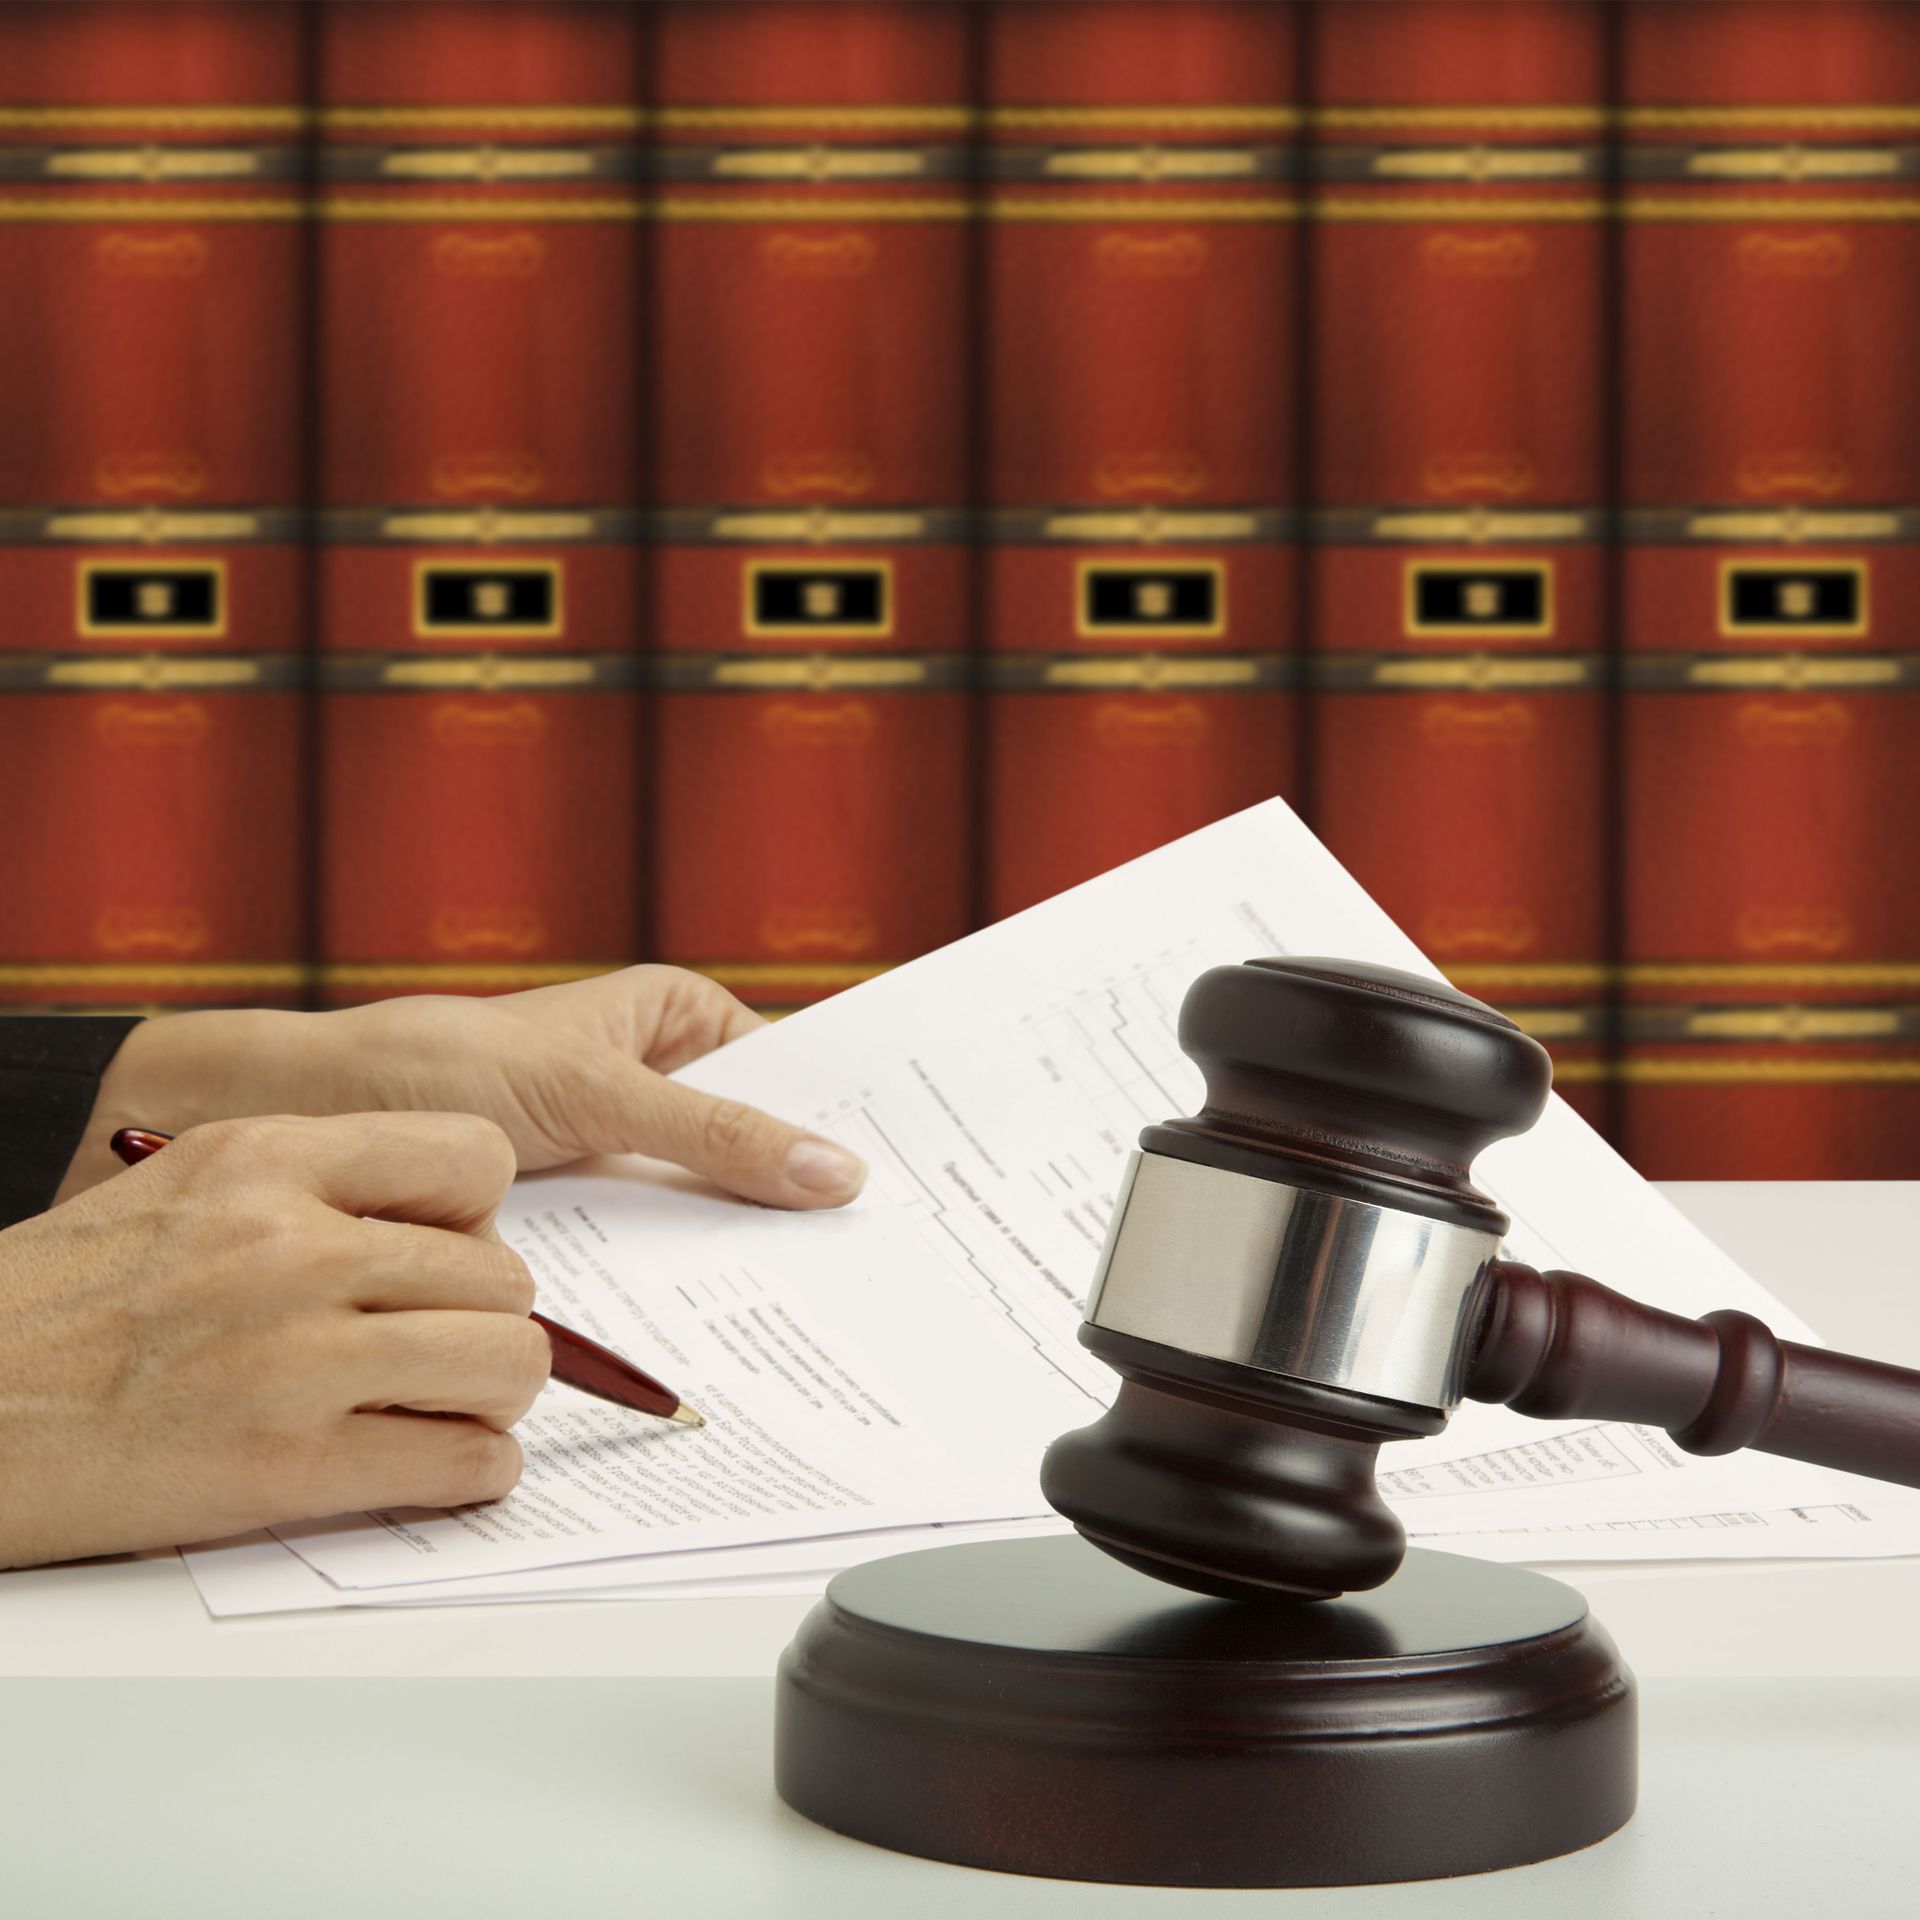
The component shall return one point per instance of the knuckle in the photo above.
(728, 1128)
(485, 1466)
(534, 1356)
(271, 1236)
(699, 989)
(482, 1146)
(511, 1277)
(256, 1227)
(221, 1145)
(287, 1468)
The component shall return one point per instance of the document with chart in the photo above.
(905, 1362)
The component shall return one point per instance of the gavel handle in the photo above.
(1562, 1347)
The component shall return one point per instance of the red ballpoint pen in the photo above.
(577, 1361)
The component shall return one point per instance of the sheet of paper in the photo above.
(257, 1573)
(1606, 1476)
(838, 1398)
(907, 1360)
(1820, 1530)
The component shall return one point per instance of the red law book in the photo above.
(1772, 479)
(1140, 362)
(152, 332)
(479, 320)
(1460, 724)
(810, 385)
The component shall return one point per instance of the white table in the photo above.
(588, 1756)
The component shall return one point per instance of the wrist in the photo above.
(179, 1070)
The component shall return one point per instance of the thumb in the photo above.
(736, 1146)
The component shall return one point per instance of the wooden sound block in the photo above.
(1037, 1707)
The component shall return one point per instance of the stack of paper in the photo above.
(877, 1378)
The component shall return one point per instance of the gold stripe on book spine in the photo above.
(1100, 166)
(1567, 1073)
(1543, 119)
(453, 212)
(478, 977)
(808, 526)
(1511, 211)
(148, 164)
(1765, 207)
(1559, 976)
(1780, 673)
(1585, 119)
(1778, 975)
(1689, 1070)
(176, 211)
(151, 673)
(804, 976)
(1482, 165)
(1835, 976)
(1753, 526)
(788, 119)
(1457, 673)
(478, 672)
(1815, 1025)
(1792, 162)
(693, 206)
(232, 118)
(149, 526)
(1138, 673)
(505, 119)
(130, 976)
(1454, 526)
(1132, 208)
(1800, 119)
(1140, 526)
(1225, 118)
(486, 165)
(479, 526)
(807, 673)
(811, 165)
(1562, 1024)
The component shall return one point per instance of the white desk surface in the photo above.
(595, 1756)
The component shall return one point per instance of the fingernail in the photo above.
(819, 1166)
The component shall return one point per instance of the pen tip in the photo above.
(686, 1416)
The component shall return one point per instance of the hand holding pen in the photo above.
(577, 1361)
(244, 1331)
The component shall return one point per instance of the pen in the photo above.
(577, 1361)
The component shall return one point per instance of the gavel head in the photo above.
(1293, 1276)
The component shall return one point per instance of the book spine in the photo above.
(1460, 720)
(480, 259)
(152, 593)
(1141, 297)
(811, 445)
(1772, 704)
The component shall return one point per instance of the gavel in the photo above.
(1304, 1270)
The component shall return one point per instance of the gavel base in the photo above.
(1036, 1707)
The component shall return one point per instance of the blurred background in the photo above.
(492, 491)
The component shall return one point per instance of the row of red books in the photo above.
(491, 491)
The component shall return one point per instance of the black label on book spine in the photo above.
(1178, 600)
(169, 601)
(1508, 598)
(513, 600)
(847, 600)
(1771, 598)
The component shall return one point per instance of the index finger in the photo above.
(433, 1169)
(400, 1266)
